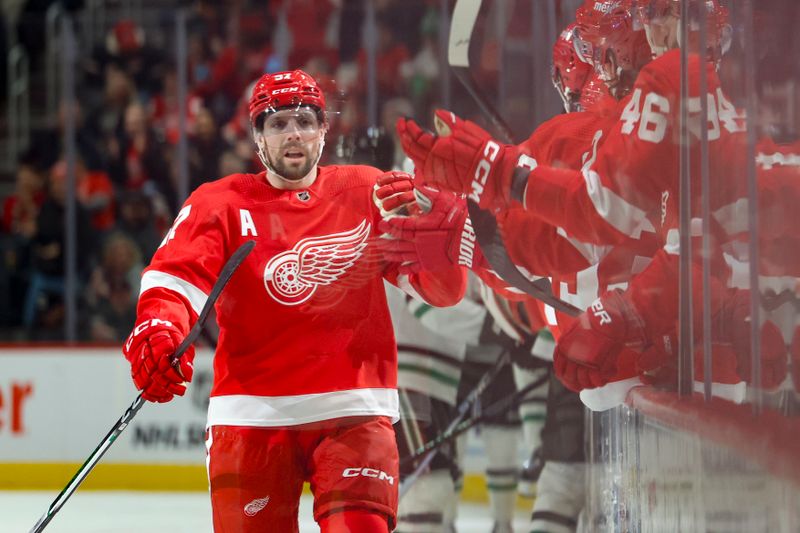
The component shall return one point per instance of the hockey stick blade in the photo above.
(225, 275)
(485, 227)
(465, 13)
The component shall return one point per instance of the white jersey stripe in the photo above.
(622, 215)
(275, 411)
(153, 278)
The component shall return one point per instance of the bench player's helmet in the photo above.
(607, 38)
(569, 73)
(659, 13)
(280, 91)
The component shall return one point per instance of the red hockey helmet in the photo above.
(568, 72)
(608, 25)
(718, 31)
(285, 89)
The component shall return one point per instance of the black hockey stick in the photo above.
(465, 13)
(224, 276)
(496, 408)
(461, 412)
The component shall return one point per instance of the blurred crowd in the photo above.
(127, 116)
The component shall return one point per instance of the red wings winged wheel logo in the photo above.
(292, 277)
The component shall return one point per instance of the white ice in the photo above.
(135, 512)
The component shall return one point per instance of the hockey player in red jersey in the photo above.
(306, 367)
(444, 235)
(612, 200)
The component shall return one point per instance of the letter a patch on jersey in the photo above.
(292, 277)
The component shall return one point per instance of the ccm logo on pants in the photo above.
(367, 472)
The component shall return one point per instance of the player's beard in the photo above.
(290, 170)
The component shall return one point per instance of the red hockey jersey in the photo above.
(633, 177)
(305, 332)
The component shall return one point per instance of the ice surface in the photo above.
(134, 512)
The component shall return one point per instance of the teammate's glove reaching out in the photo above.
(440, 238)
(393, 194)
(149, 350)
(462, 158)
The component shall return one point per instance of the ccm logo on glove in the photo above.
(143, 326)
(483, 169)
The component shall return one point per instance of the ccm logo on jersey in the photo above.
(143, 326)
(367, 472)
(599, 312)
(483, 169)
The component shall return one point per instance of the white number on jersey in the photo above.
(182, 215)
(654, 116)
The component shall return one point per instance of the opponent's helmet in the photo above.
(606, 28)
(718, 31)
(568, 72)
(285, 89)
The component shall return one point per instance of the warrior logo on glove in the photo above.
(293, 276)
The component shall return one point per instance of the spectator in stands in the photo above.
(137, 222)
(108, 113)
(110, 294)
(46, 288)
(47, 145)
(139, 162)
(242, 60)
(125, 48)
(206, 147)
(20, 210)
(164, 109)
(94, 191)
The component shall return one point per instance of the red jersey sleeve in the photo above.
(176, 284)
(623, 180)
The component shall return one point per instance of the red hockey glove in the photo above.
(462, 158)
(734, 327)
(587, 351)
(436, 240)
(149, 349)
(393, 193)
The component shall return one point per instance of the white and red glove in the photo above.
(393, 194)
(587, 353)
(435, 240)
(149, 350)
(462, 158)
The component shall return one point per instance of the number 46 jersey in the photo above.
(305, 332)
(632, 180)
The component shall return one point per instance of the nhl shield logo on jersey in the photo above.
(292, 277)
